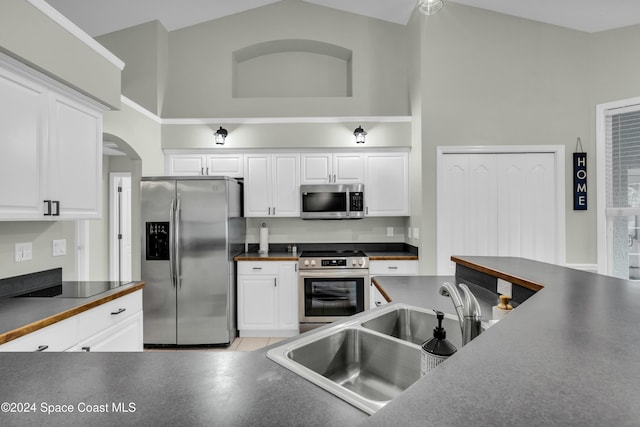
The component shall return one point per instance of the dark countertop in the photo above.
(20, 316)
(566, 356)
(190, 388)
(288, 256)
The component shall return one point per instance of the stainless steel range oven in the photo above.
(332, 285)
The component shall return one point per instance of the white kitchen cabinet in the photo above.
(205, 165)
(126, 335)
(51, 150)
(59, 336)
(186, 165)
(386, 184)
(267, 298)
(332, 168)
(74, 158)
(113, 326)
(272, 185)
(389, 268)
(23, 118)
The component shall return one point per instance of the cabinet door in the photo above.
(22, 121)
(75, 158)
(225, 165)
(257, 185)
(387, 184)
(316, 168)
(286, 185)
(124, 336)
(257, 302)
(186, 165)
(288, 296)
(348, 168)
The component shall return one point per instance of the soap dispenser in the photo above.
(437, 349)
(502, 309)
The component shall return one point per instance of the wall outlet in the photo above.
(416, 233)
(408, 232)
(504, 288)
(59, 247)
(389, 231)
(24, 251)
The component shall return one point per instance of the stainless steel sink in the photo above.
(360, 361)
(368, 360)
(415, 326)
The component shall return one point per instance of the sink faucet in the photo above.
(468, 311)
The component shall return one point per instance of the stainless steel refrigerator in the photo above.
(192, 227)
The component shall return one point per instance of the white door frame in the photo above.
(557, 150)
(114, 220)
(603, 242)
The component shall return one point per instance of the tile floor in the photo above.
(239, 344)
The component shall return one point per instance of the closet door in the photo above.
(497, 205)
(467, 208)
(527, 206)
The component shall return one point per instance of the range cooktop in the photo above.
(327, 254)
(83, 289)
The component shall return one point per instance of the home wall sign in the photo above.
(579, 178)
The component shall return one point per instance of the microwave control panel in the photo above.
(356, 201)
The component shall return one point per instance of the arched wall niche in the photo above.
(292, 68)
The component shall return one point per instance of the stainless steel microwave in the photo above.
(332, 201)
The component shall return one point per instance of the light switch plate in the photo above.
(24, 251)
(389, 231)
(59, 247)
(416, 233)
(504, 288)
(409, 232)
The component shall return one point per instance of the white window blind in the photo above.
(623, 161)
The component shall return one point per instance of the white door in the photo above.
(286, 185)
(120, 235)
(500, 204)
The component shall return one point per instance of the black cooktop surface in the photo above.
(73, 289)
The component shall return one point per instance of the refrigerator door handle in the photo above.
(177, 243)
(172, 240)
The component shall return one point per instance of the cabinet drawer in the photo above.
(257, 267)
(102, 317)
(57, 337)
(399, 268)
(124, 336)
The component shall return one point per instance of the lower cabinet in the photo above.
(389, 268)
(268, 298)
(113, 326)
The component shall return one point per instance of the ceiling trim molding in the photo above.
(288, 120)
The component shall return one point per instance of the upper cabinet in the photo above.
(332, 168)
(50, 151)
(205, 165)
(386, 184)
(272, 180)
(272, 185)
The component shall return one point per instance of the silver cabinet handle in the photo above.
(42, 347)
(120, 310)
(56, 212)
(201, 171)
(275, 282)
(391, 267)
(257, 268)
(87, 349)
(334, 177)
(47, 211)
(274, 210)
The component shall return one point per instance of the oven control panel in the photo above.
(342, 263)
(334, 262)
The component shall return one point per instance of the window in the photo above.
(619, 194)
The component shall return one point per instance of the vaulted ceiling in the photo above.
(97, 17)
